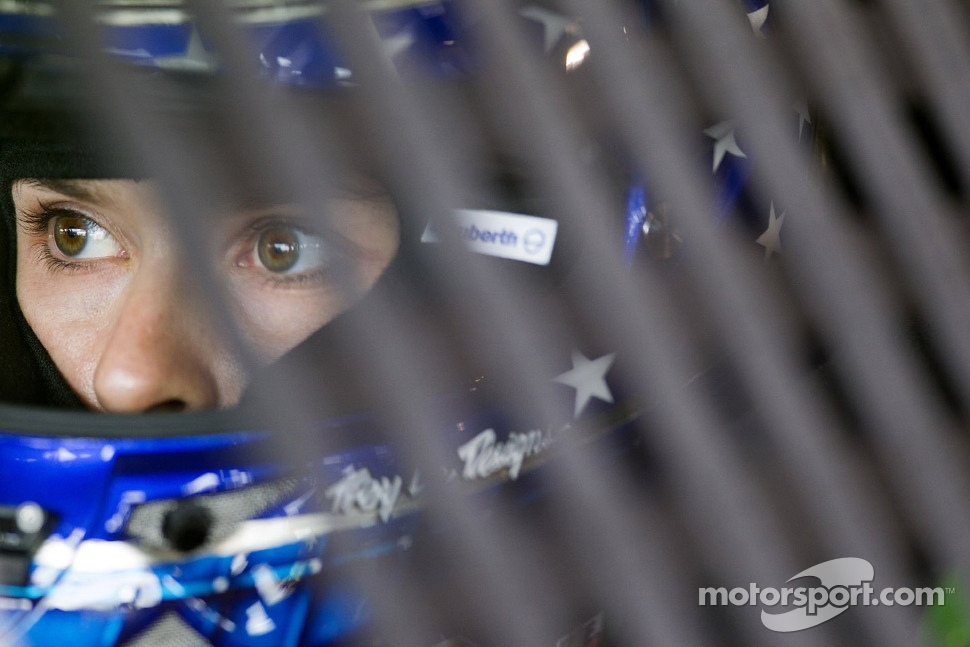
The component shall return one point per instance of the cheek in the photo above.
(68, 314)
(373, 227)
(274, 321)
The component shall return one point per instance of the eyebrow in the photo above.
(75, 189)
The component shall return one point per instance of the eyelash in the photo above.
(258, 227)
(37, 223)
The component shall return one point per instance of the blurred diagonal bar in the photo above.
(500, 308)
(122, 106)
(566, 179)
(917, 222)
(752, 470)
(888, 380)
(936, 39)
(413, 161)
(794, 418)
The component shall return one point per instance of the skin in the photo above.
(125, 320)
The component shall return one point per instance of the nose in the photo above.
(160, 353)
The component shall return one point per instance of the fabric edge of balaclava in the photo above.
(25, 360)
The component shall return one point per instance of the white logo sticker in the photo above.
(506, 235)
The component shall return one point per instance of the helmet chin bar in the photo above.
(267, 532)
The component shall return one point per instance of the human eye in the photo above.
(67, 238)
(74, 237)
(289, 251)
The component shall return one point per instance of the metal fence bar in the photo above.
(889, 383)
(760, 540)
(755, 497)
(846, 507)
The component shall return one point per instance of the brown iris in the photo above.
(278, 249)
(70, 234)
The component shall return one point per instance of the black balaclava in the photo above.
(64, 143)
(27, 373)
(49, 145)
(45, 133)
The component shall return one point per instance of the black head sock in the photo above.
(27, 373)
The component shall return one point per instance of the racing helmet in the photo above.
(277, 522)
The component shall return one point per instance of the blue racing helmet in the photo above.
(256, 526)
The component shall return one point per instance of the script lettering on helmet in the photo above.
(360, 491)
(484, 456)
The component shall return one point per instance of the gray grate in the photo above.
(799, 408)
(168, 630)
(225, 509)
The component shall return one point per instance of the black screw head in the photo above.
(187, 525)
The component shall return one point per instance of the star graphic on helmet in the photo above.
(771, 238)
(395, 45)
(554, 25)
(195, 57)
(804, 117)
(588, 377)
(758, 18)
(724, 142)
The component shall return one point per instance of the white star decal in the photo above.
(771, 239)
(554, 25)
(394, 45)
(758, 18)
(195, 56)
(803, 117)
(415, 487)
(724, 142)
(588, 377)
